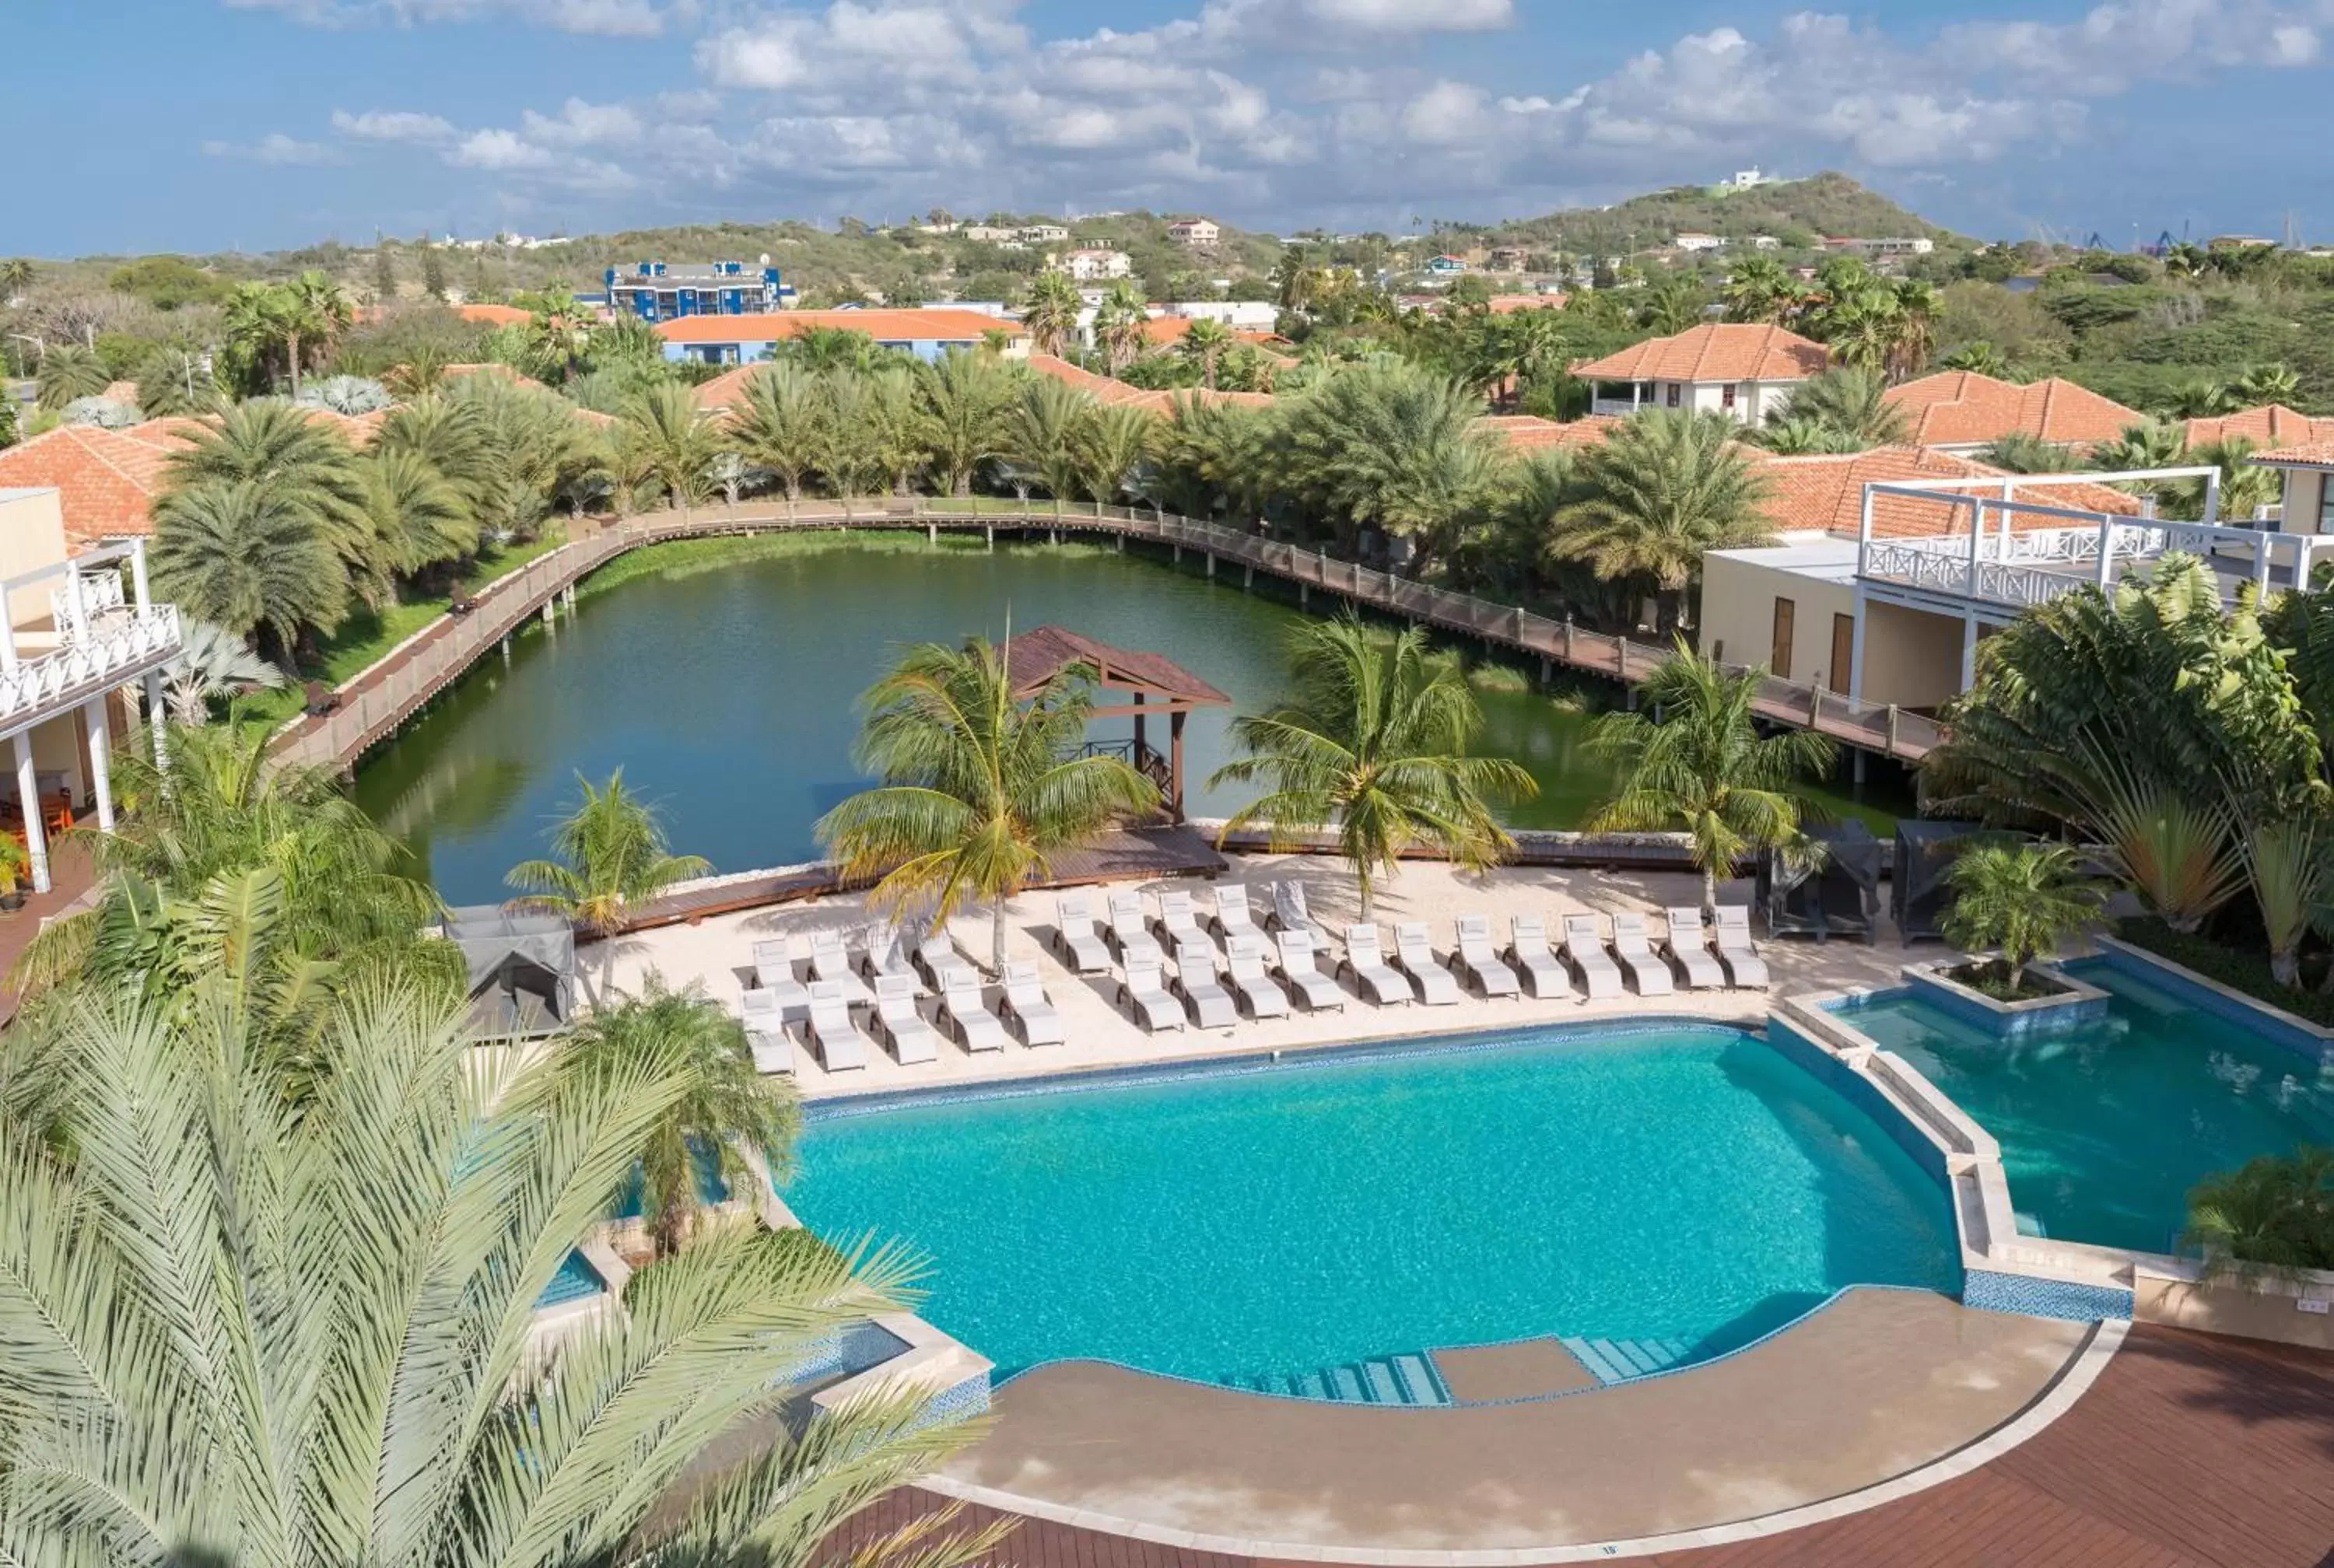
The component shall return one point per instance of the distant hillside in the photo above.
(1798, 212)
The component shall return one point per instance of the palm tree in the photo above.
(256, 319)
(1704, 769)
(15, 277)
(303, 465)
(962, 395)
(176, 382)
(261, 1323)
(831, 349)
(558, 331)
(1674, 306)
(1663, 489)
(982, 786)
(1118, 325)
(1393, 447)
(316, 310)
(2245, 486)
(2021, 899)
(1852, 402)
(1051, 313)
(1915, 339)
(1980, 357)
(1372, 743)
(2199, 398)
(2021, 452)
(1761, 289)
(68, 372)
(2187, 261)
(212, 661)
(895, 426)
(1113, 443)
(776, 425)
(610, 856)
(2273, 1215)
(1043, 428)
(239, 553)
(1295, 280)
(1788, 434)
(1207, 342)
(2269, 384)
(850, 456)
(677, 440)
(725, 1106)
(419, 516)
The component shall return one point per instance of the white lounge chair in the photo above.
(939, 962)
(913, 1043)
(1143, 994)
(1415, 956)
(1290, 913)
(766, 1030)
(1252, 979)
(830, 961)
(964, 1012)
(1480, 964)
(1731, 932)
(1543, 972)
(774, 972)
(1075, 940)
(1027, 1007)
(1633, 944)
(1379, 985)
(1130, 933)
(1233, 917)
(1584, 945)
(1179, 922)
(1689, 947)
(1195, 982)
(1300, 965)
(887, 954)
(843, 1045)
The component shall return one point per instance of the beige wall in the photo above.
(2261, 1309)
(32, 535)
(1911, 657)
(1737, 615)
(2303, 490)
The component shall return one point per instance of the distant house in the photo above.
(1446, 265)
(1699, 242)
(1745, 178)
(1088, 264)
(1913, 245)
(1240, 315)
(1962, 412)
(1017, 236)
(655, 292)
(1765, 242)
(1200, 232)
(1508, 259)
(1741, 370)
(926, 333)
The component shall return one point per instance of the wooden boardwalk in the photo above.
(377, 703)
(2191, 1451)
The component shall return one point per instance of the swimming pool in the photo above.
(2105, 1126)
(1241, 1221)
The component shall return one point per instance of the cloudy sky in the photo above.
(203, 124)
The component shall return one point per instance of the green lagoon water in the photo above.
(726, 688)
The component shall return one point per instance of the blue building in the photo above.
(655, 292)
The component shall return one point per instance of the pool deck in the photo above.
(717, 952)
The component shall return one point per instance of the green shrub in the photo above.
(2236, 968)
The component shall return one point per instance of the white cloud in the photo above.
(500, 150)
(392, 125)
(608, 18)
(274, 148)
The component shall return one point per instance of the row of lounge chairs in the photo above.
(889, 984)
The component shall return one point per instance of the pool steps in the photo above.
(1617, 1361)
(1403, 1380)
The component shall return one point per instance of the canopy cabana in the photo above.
(1837, 896)
(1155, 687)
(522, 969)
(1918, 893)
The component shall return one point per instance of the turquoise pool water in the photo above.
(575, 1280)
(1680, 1182)
(2105, 1127)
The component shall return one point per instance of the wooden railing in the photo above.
(377, 702)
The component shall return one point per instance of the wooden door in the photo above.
(1843, 652)
(1778, 662)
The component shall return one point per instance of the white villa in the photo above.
(1744, 371)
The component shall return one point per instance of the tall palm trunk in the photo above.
(292, 343)
(996, 937)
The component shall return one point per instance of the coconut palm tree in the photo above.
(68, 372)
(1207, 342)
(1118, 325)
(212, 661)
(1852, 401)
(725, 1106)
(962, 396)
(558, 331)
(1704, 769)
(2023, 900)
(1051, 313)
(1042, 431)
(240, 553)
(252, 1325)
(1112, 445)
(610, 856)
(1372, 744)
(1665, 488)
(981, 785)
(15, 276)
(1295, 280)
(676, 441)
(1980, 357)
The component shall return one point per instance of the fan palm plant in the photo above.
(212, 662)
(609, 857)
(1372, 743)
(962, 396)
(1664, 488)
(1978, 357)
(240, 553)
(1704, 769)
(676, 441)
(2269, 384)
(778, 425)
(177, 383)
(1672, 307)
(2021, 452)
(2023, 900)
(981, 785)
(2273, 1216)
(1761, 289)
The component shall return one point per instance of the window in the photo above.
(1672, 388)
(1843, 652)
(1726, 396)
(2324, 502)
(1778, 663)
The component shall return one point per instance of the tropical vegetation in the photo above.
(2024, 901)
(609, 856)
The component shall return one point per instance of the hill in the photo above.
(1798, 212)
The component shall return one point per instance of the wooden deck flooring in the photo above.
(2191, 1451)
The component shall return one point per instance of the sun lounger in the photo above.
(1233, 915)
(1179, 922)
(939, 962)
(766, 1030)
(1689, 947)
(843, 1045)
(774, 972)
(1480, 964)
(1027, 1007)
(1731, 932)
(1379, 985)
(912, 1040)
(1414, 956)
(1142, 995)
(1290, 913)
(1300, 965)
(1195, 982)
(1075, 940)
(1130, 933)
(887, 955)
(1634, 946)
(1543, 972)
(961, 1007)
(1251, 980)
(830, 961)
(1584, 945)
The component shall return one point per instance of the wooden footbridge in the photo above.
(374, 705)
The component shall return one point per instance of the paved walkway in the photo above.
(71, 875)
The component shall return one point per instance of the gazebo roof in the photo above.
(1036, 656)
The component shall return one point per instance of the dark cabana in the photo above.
(522, 970)
(1838, 896)
(1918, 893)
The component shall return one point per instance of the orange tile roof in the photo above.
(1719, 351)
(493, 315)
(1508, 304)
(1531, 433)
(105, 480)
(885, 326)
(121, 392)
(1825, 493)
(2270, 425)
(727, 390)
(1104, 388)
(1965, 409)
(2312, 455)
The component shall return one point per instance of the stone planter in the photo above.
(2073, 1002)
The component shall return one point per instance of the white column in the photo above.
(1977, 541)
(28, 792)
(2106, 548)
(138, 586)
(1969, 650)
(158, 719)
(1864, 545)
(101, 760)
(1856, 635)
(78, 605)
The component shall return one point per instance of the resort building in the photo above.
(926, 333)
(1744, 371)
(1193, 231)
(2309, 474)
(1240, 315)
(1017, 236)
(2269, 425)
(655, 292)
(1962, 412)
(1087, 265)
(81, 635)
(1879, 248)
(105, 483)
(1699, 242)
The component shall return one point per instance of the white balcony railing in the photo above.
(118, 644)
